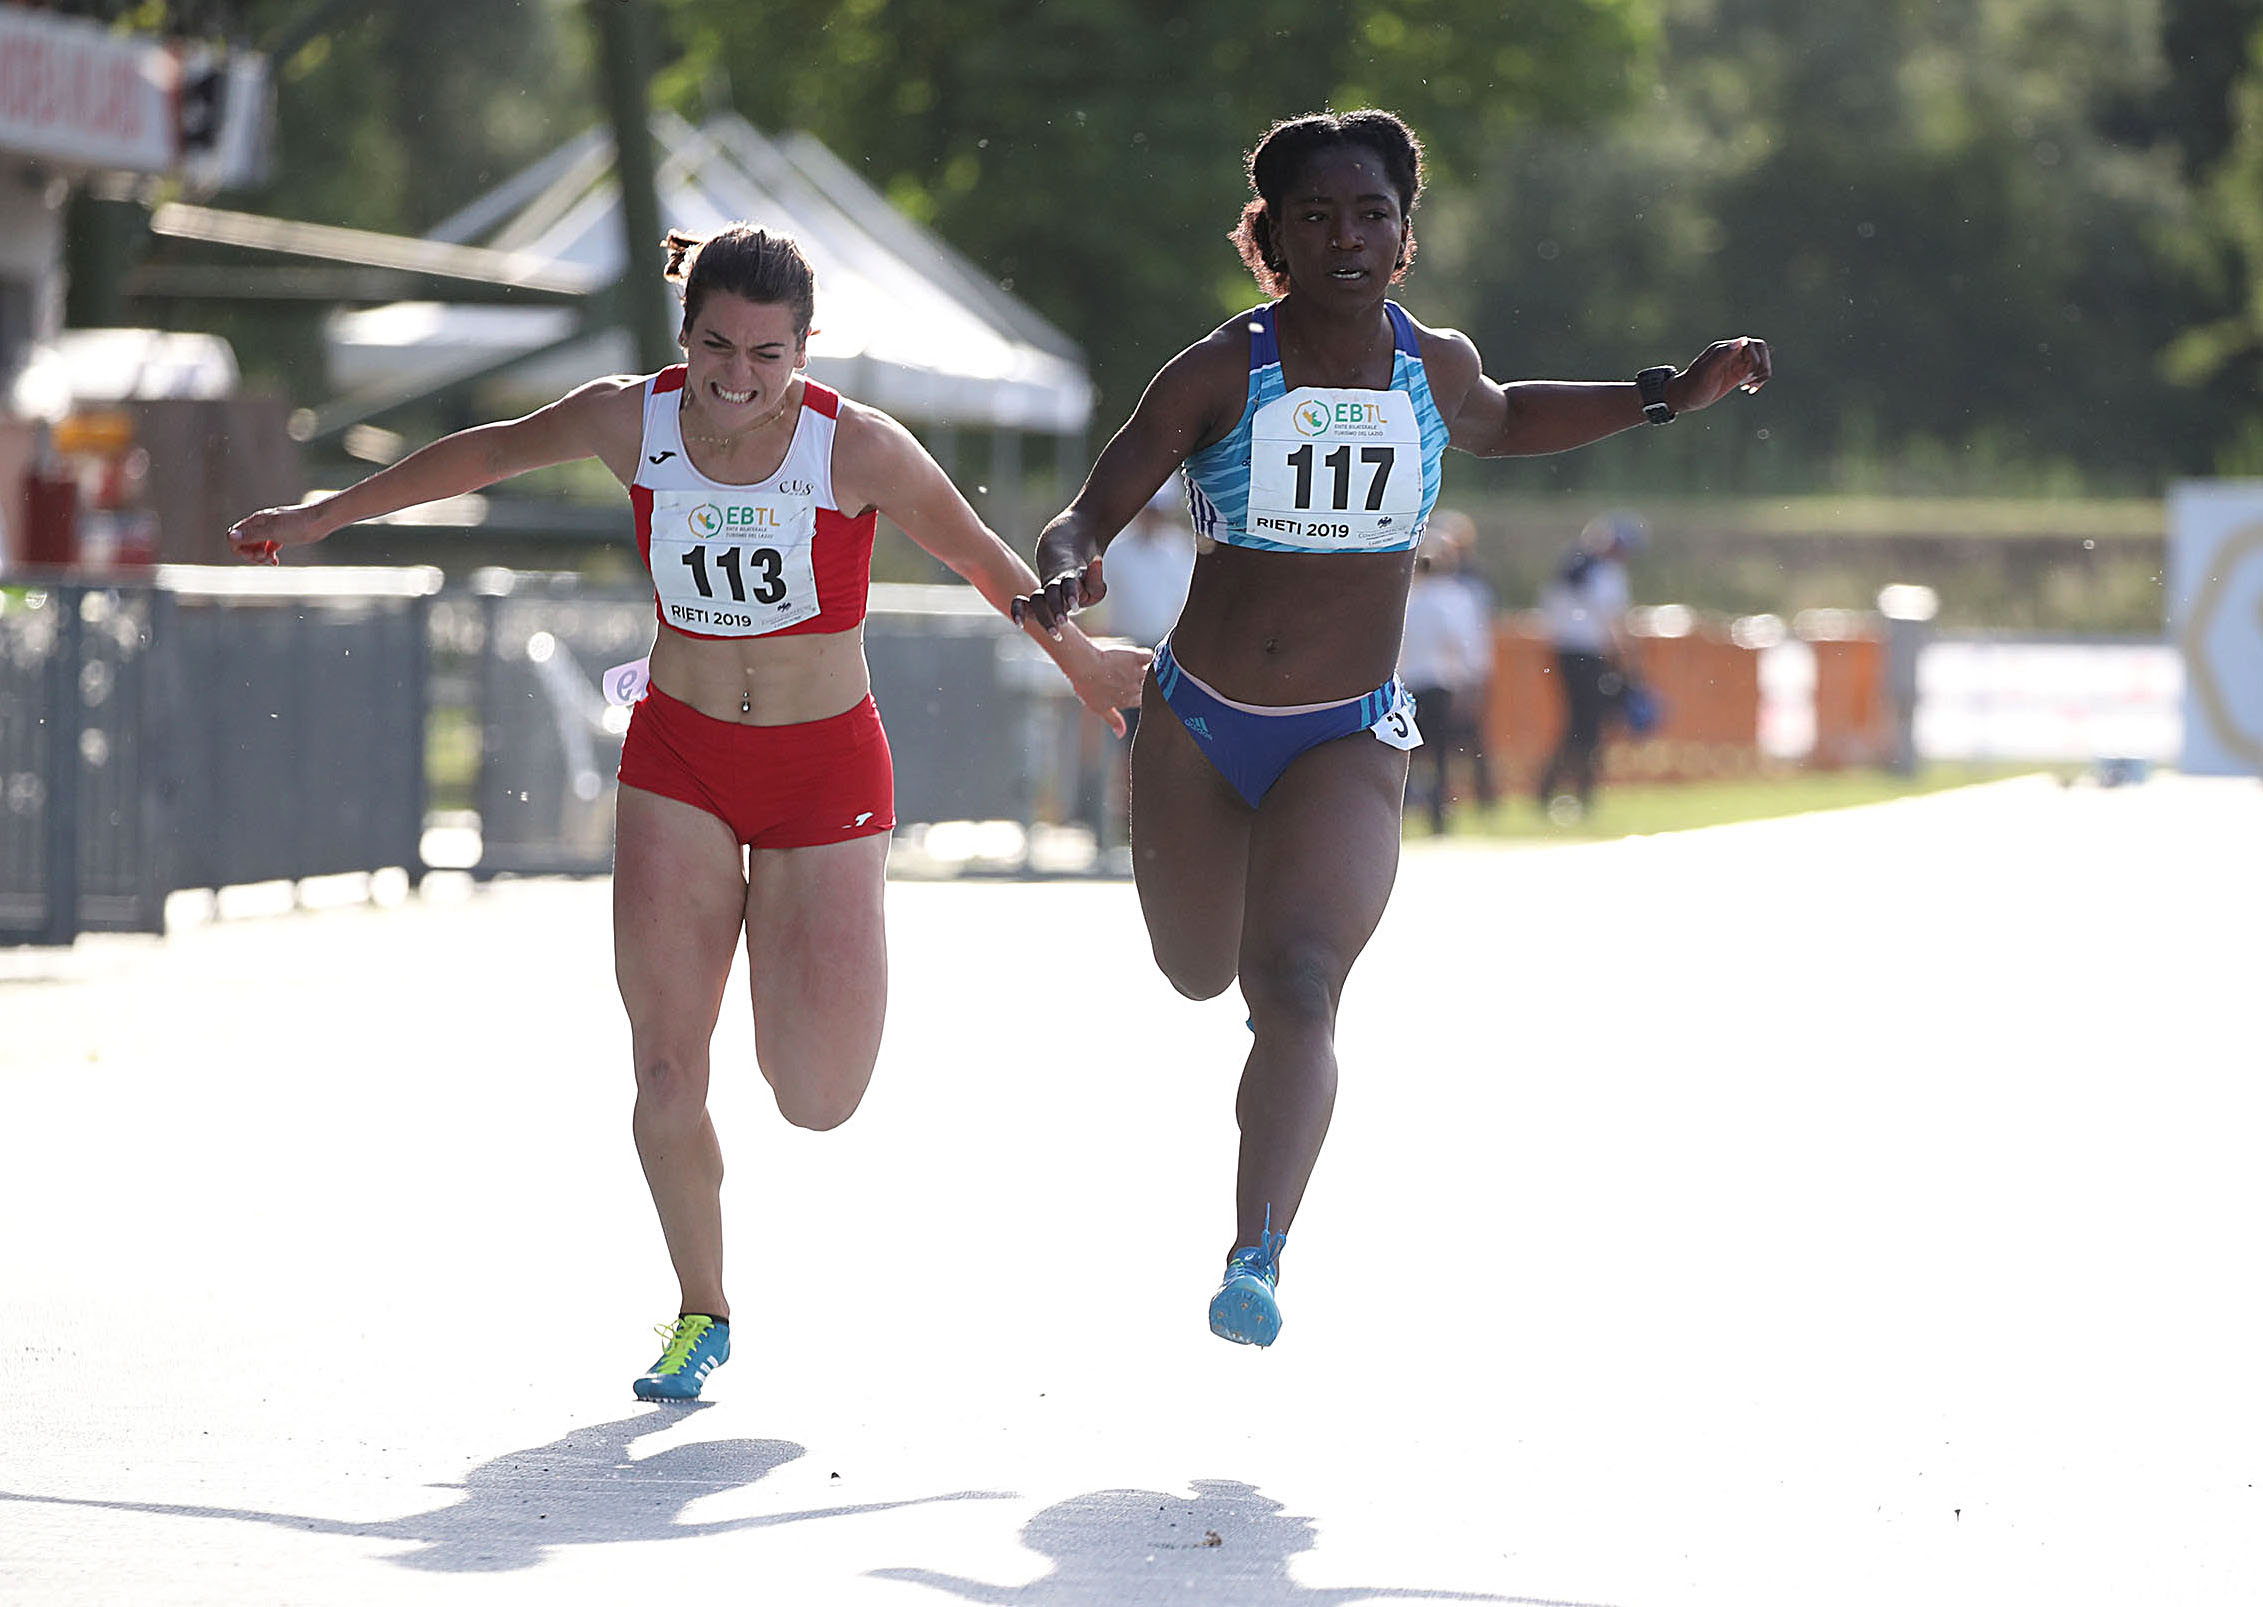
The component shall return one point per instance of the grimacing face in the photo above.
(740, 356)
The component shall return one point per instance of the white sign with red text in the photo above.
(73, 92)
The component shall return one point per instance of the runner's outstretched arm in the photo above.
(580, 424)
(888, 468)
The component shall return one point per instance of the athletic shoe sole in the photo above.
(644, 1393)
(1246, 1313)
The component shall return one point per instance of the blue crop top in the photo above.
(1322, 470)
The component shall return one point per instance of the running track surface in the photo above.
(1860, 1208)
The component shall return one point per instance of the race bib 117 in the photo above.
(1336, 471)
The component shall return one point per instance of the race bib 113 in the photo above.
(733, 563)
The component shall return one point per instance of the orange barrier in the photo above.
(1707, 686)
(1853, 714)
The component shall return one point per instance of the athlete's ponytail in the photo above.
(765, 268)
(1280, 158)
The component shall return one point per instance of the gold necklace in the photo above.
(761, 423)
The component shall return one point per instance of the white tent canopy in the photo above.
(902, 321)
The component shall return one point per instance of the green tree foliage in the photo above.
(1997, 244)
(2207, 46)
(1088, 152)
(1957, 223)
(2223, 356)
(396, 115)
(390, 118)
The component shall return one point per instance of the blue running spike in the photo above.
(697, 1345)
(1244, 1309)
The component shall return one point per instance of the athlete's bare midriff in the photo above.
(785, 681)
(1288, 628)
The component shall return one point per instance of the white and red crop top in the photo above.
(777, 558)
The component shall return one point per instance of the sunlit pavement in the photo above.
(1859, 1208)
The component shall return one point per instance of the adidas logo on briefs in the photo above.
(1200, 727)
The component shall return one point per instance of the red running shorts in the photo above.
(775, 786)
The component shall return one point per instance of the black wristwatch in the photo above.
(1651, 383)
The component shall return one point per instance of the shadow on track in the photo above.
(1229, 1543)
(581, 1489)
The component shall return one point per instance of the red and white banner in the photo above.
(76, 94)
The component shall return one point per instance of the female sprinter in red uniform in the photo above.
(1270, 766)
(756, 793)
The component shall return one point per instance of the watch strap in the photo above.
(1651, 385)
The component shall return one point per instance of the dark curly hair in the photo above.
(746, 261)
(1283, 154)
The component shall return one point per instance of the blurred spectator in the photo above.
(1446, 661)
(1147, 570)
(1585, 605)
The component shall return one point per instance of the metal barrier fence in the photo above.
(203, 728)
(549, 742)
(209, 727)
(981, 725)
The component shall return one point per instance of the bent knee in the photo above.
(819, 1098)
(1202, 984)
(1197, 976)
(819, 1112)
(1300, 983)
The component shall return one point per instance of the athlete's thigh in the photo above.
(678, 899)
(1190, 849)
(1322, 858)
(817, 955)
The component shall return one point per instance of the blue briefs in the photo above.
(1250, 746)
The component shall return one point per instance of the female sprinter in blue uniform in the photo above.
(1270, 766)
(756, 791)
